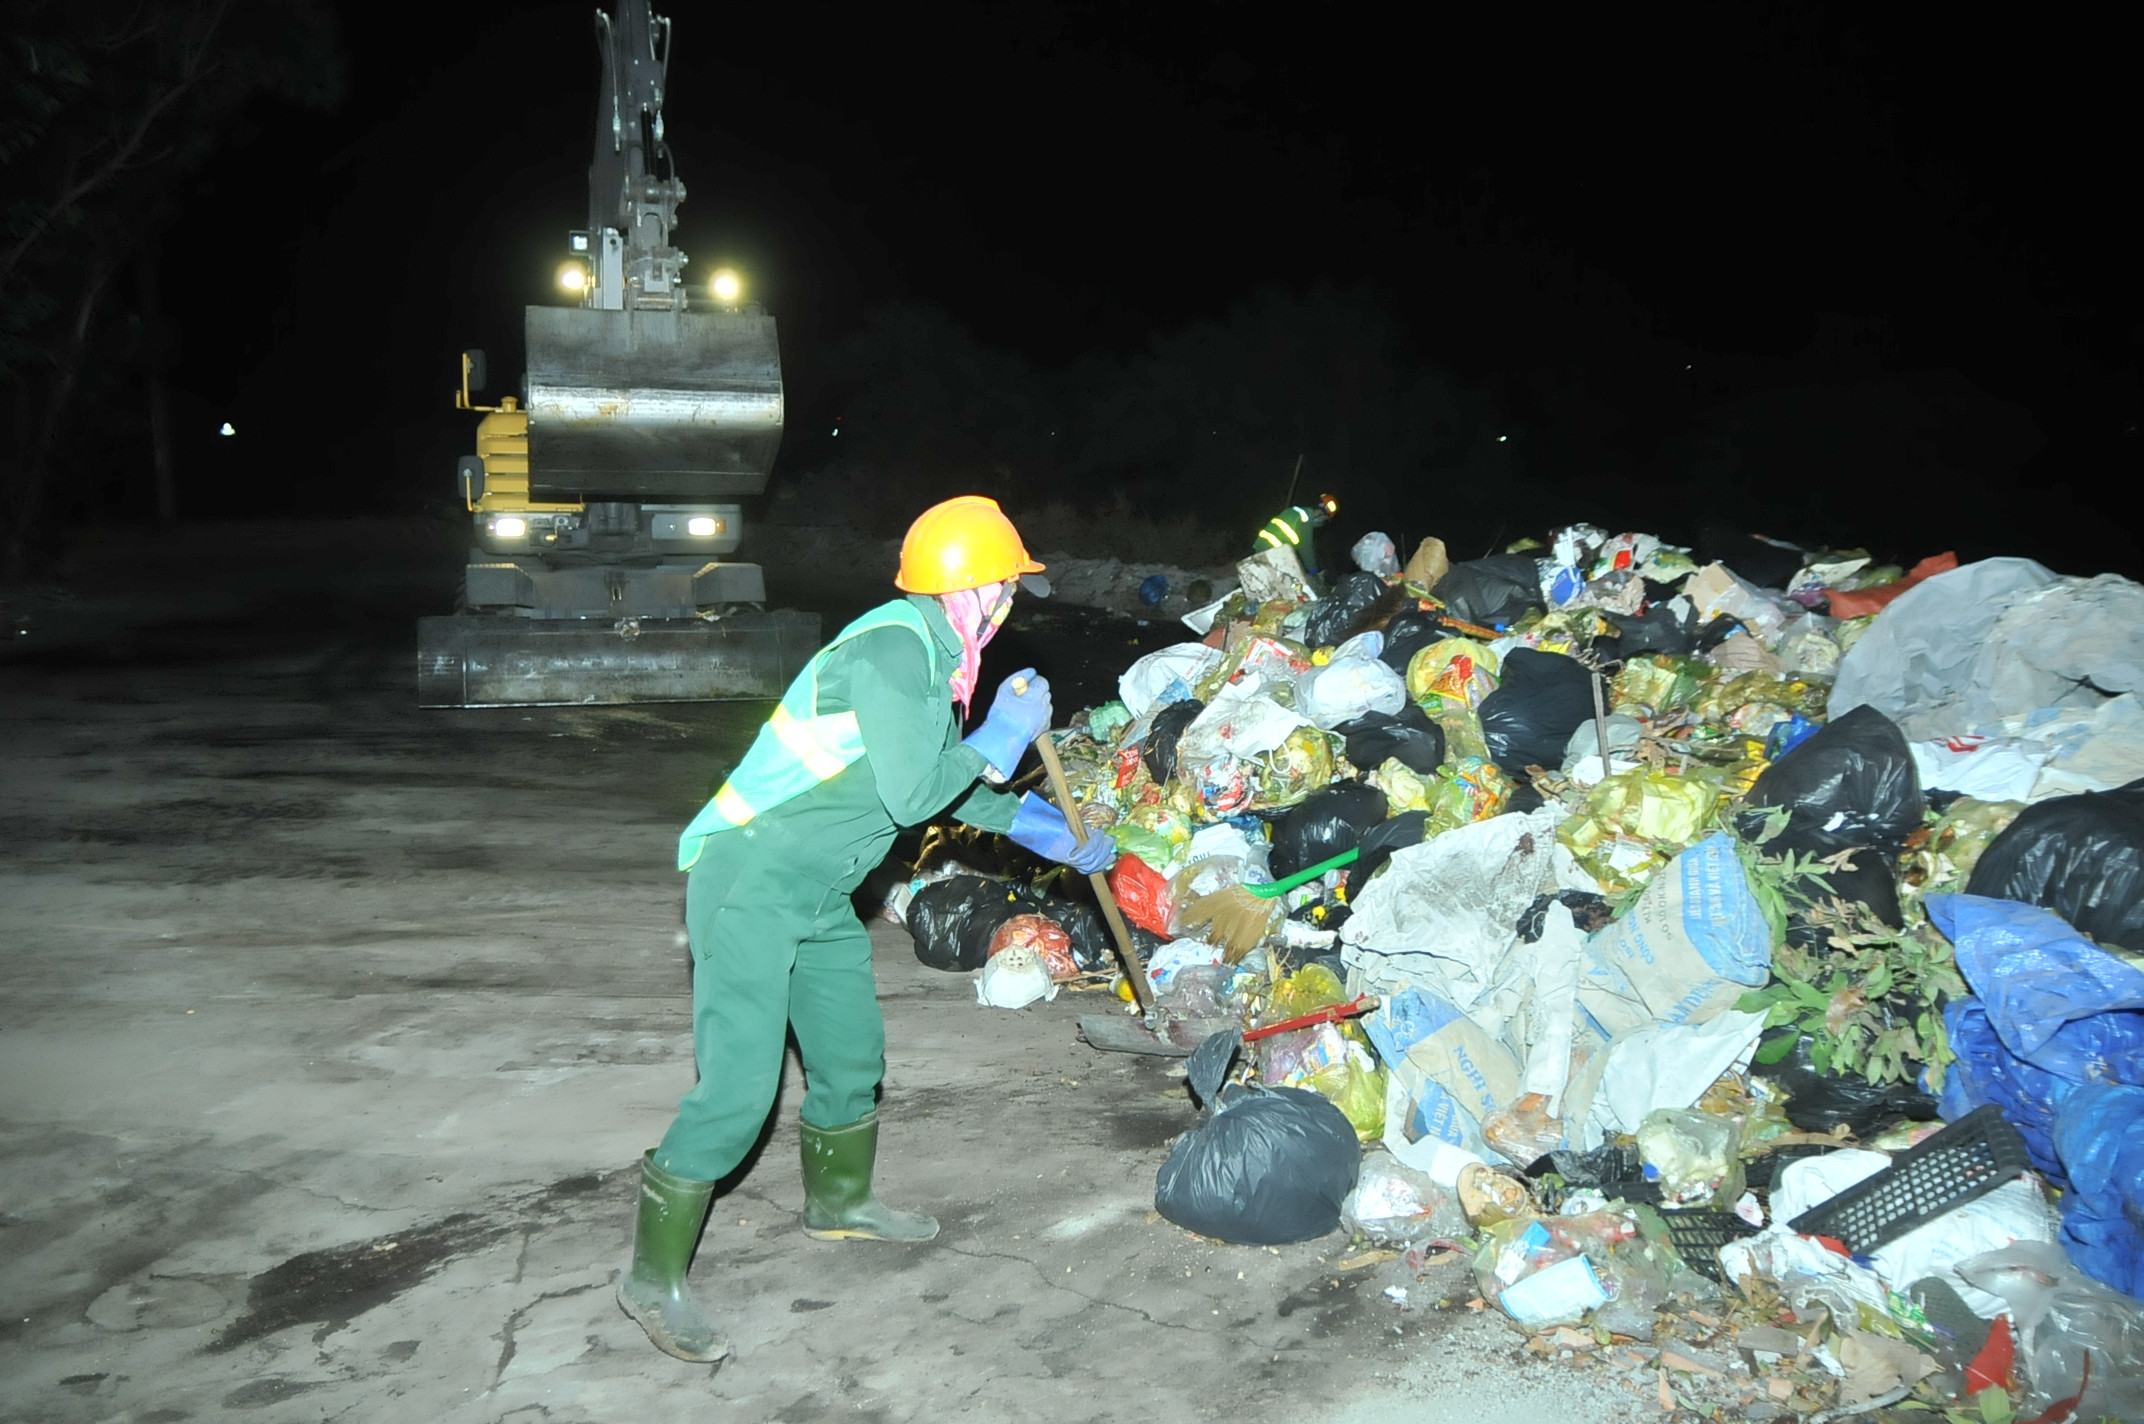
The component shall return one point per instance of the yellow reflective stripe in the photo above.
(734, 808)
(1265, 537)
(1287, 529)
(797, 739)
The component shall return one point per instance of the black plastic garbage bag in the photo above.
(1264, 1166)
(1659, 629)
(1589, 912)
(1144, 943)
(1852, 784)
(1380, 841)
(1082, 924)
(953, 919)
(1492, 591)
(1162, 735)
(1332, 616)
(1407, 634)
(1819, 1102)
(1761, 561)
(1612, 1170)
(1869, 877)
(1542, 699)
(2080, 856)
(1524, 800)
(1323, 825)
(1719, 630)
(1376, 737)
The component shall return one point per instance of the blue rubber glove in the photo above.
(1016, 719)
(1042, 828)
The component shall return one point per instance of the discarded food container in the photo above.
(1565, 1292)
(1692, 1157)
(1395, 1205)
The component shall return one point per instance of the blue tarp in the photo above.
(2055, 1038)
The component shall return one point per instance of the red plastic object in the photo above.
(1362, 1004)
(1856, 603)
(1992, 1366)
(1142, 894)
(1044, 936)
(2062, 1411)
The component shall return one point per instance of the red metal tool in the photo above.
(1361, 1005)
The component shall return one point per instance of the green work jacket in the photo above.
(913, 767)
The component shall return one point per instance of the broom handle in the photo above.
(1600, 720)
(1119, 931)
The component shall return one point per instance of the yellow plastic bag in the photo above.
(1405, 789)
(1357, 1088)
(1470, 790)
(1307, 990)
(1457, 669)
(1747, 695)
(1462, 731)
(1293, 770)
(1649, 686)
(1653, 805)
(1632, 823)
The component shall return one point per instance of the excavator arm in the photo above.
(633, 190)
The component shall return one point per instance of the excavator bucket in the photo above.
(630, 407)
(664, 406)
(483, 660)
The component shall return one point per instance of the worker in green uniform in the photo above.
(866, 740)
(1296, 527)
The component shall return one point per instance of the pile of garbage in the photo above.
(1638, 927)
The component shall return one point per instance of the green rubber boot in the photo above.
(653, 1289)
(838, 1204)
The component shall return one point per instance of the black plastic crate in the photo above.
(1964, 1162)
(1699, 1234)
(1762, 1171)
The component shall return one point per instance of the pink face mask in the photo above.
(976, 615)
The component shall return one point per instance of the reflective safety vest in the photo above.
(1286, 527)
(799, 747)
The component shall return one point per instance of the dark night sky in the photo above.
(1613, 196)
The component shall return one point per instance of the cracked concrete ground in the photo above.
(331, 1032)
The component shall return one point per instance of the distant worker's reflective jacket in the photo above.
(1292, 526)
(865, 741)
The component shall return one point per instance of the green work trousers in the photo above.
(771, 951)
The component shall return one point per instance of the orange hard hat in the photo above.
(965, 542)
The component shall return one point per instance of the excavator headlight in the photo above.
(702, 526)
(726, 286)
(573, 278)
(509, 526)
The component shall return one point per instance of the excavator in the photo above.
(606, 495)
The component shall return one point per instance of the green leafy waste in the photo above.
(1869, 997)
